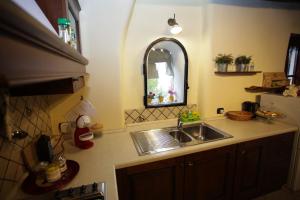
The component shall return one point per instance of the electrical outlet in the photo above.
(220, 110)
(65, 127)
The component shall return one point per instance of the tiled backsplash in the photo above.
(31, 115)
(153, 114)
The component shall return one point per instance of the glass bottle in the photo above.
(63, 27)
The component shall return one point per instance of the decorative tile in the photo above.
(153, 114)
(16, 154)
(11, 171)
(135, 114)
(20, 106)
(28, 113)
(6, 187)
(6, 150)
(156, 113)
(3, 166)
(24, 124)
(129, 120)
(145, 114)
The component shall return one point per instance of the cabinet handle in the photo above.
(243, 152)
(190, 164)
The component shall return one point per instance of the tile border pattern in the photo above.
(154, 114)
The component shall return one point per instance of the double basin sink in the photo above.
(159, 140)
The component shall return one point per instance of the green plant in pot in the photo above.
(222, 61)
(242, 63)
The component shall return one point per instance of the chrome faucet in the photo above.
(201, 135)
(179, 122)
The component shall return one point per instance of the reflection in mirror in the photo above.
(165, 68)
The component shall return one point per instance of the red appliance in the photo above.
(82, 134)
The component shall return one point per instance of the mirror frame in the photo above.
(186, 87)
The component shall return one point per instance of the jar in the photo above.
(63, 29)
(61, 161)
(53, 173)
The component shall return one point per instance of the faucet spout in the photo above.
(179, 122)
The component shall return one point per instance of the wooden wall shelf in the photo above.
(238, 73)
(30, 53)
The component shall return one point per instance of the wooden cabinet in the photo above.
(262, 165)
(277, 159)
(209, 175)
(249, 165)
(243, 171)
(206, 175)
(161, 180)
(55, 9)
(31, 54)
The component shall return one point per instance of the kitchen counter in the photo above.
(116, 150)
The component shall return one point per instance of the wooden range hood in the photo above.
(34, 60)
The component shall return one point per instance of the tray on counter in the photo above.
(34, 185)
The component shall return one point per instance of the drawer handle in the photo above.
(243, 152)
(190, 164)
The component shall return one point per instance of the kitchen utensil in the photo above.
(239, 115)
(250, 106)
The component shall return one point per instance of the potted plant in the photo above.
(222, 61)
(160, 98)
(150, 96)
(171, 95)
(242, 63)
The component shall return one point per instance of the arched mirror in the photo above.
(165, 73)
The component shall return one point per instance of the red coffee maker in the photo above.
(82, 134)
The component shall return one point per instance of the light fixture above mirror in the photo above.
(174, 26)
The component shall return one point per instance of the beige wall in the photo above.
(115, 35)
(148, 23)
(262, 33)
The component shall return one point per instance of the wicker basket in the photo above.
(239, 115)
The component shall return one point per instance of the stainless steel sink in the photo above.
(159, 140)
(204, 133)
(180, 136)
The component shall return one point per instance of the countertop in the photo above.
(112, 151)
(116, 150)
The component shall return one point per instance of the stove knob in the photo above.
(71, 192)
(83, 189)
(95, 187)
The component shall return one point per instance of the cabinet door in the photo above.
(160, 180)
(277, 161)
(209, 174)
(248, 169)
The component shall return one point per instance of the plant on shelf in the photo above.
(150, 97)
(222, 61)
(242, 63)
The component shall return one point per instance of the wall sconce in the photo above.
(174, 27)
